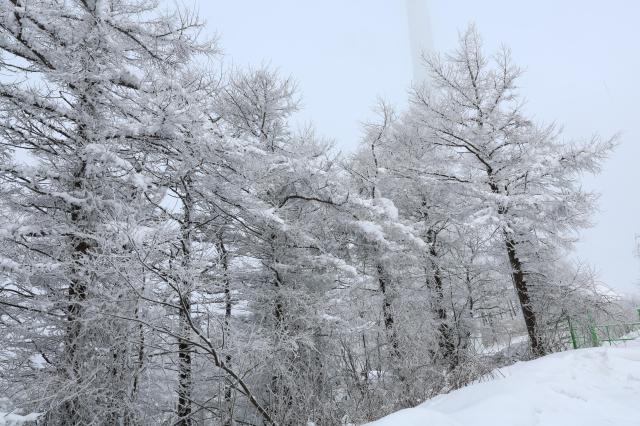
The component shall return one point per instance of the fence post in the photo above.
(594, 333)
(572, 333)
(606, 327)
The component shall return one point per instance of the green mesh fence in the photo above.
(590, 334)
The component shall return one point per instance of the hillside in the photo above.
(595, 386)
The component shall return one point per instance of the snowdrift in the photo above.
(586, 387)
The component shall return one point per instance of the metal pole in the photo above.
(420, 37)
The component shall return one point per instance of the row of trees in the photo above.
(174, 252)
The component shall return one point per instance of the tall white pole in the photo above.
(420, 37)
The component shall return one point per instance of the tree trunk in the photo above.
(185, 378)
(184, 367)
(387, 312)
(445, 336)
(282, 398)
(141, 345)
(522, 290)
(519, 281)
(228, 385)
(279, 387)
(77, 295)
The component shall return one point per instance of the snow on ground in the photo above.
(513, 342)
(585, 387)
(12, 419)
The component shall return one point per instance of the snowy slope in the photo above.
(586, 387)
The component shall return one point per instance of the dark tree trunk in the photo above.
(185, 378)
(445, 336)
(184, 368)
(519, 280)
(522, 290)
(280, 389)
(77, 295)
(387, 311)
(228, 386)
(141, 345)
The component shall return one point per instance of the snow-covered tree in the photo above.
(519, 177)
(290, 197)
(73, 110)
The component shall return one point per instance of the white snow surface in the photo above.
(585, 387)
(12, 419)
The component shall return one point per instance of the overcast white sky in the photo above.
(583, 70)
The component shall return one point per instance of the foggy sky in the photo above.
(582, 60)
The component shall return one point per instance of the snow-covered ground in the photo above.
(585, 387)
(12, 419)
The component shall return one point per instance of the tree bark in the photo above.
(77, 295)
(185, 378)
(445, 337)
(184, 368)
(387, 311)
(522, 290)
(519, 281)
(228, 386)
